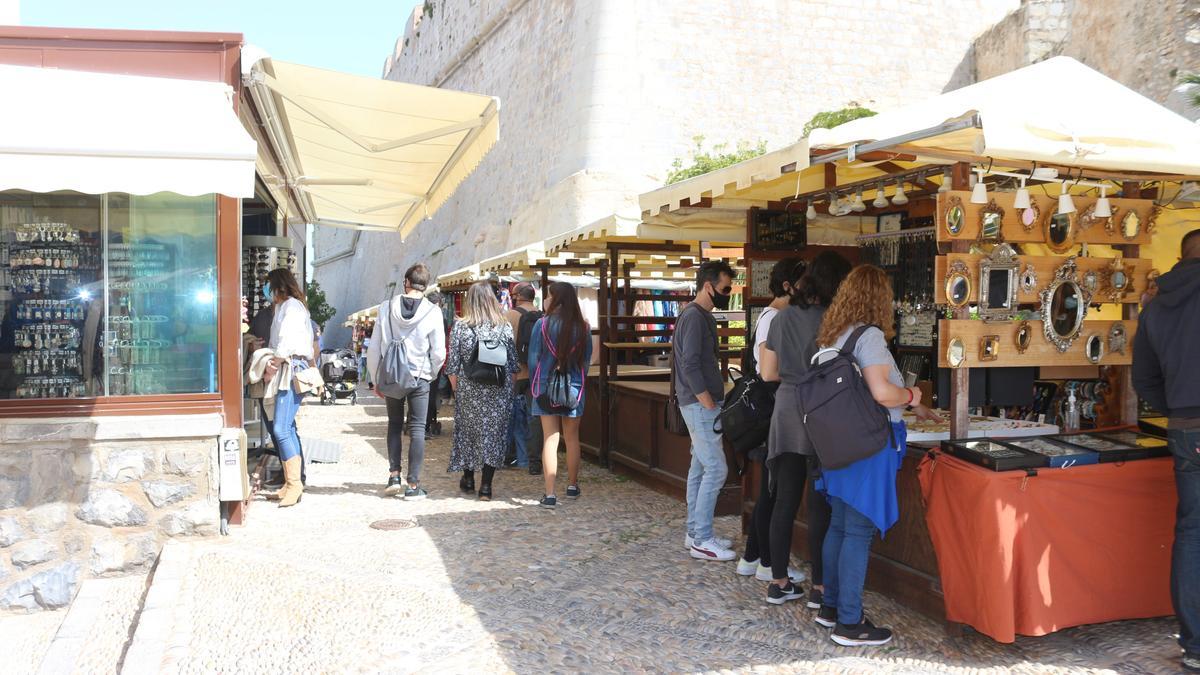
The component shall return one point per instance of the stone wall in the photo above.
(97, 497)
(1144, 46)
(599, 96)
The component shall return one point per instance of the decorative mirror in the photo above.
(1131, 224)
(1117, 338)
(1029, 279)
(1089, 218)
(989, 347)
(1064, 304)
(1031, 216)
(1153, 219)
(1093, 348)
(955, 216)
(1023, 337)
(958, 284)
(1060, 232)
(956, 353)
(1117, 279)
(1091, 280)
(991, 222)
(998, 284)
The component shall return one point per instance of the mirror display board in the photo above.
(1131, 273)
(1038, 351)
(960, 220)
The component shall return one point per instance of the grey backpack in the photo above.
(394, 378)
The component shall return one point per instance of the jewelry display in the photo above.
(1064, 305)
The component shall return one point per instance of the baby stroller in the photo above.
(339, 369)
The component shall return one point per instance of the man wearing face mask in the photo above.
(700, 389)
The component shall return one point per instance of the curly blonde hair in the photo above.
(864, 297)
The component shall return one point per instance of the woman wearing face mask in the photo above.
(292, 341)
(791, 343)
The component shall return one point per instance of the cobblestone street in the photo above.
(599, 585)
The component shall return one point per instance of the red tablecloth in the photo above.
(1066, 547)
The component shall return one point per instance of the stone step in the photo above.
(95, 630)
(149, 647)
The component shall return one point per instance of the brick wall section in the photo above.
(599, 96)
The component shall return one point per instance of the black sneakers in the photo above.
(549, 502)
(778, 596)
(1191, 662)
(573, 491)
(827, 617)
(395, 486)
(864, 634)
(814, 599)
(535, 468)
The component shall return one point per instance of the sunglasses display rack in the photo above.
(139, 325)
(45, 269)
(260, 255)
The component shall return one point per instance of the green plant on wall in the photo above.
(320, 310)
(704, 161)
(832, 118)
(1193, 93)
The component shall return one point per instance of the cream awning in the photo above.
(714, 183)
(367, 153)
(461, 277)
(594, 237)
(97, 133)
(1058, 111)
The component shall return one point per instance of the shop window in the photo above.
(109, 295)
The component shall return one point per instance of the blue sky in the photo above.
(353, 36)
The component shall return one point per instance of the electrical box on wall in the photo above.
(231, 458)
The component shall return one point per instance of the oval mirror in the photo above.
(1119, 280)
(1024, 336)
(955, 353)
(1131, 225)
(1059, 231)
(1094, 348)
(1029, 217)
(1065, 309)
(1090, 280)
(958, 290)
(954, 219)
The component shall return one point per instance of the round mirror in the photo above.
(1131, 225)
(956, 353)
(1065, 307)
(958, 290)
(1059, 231)
(1024, 336)
(1094, 348)
(954, 219)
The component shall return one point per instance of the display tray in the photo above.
(1155, 426)
(1059, 455)
(1110, 450)
(993, 454)
(1156, 446)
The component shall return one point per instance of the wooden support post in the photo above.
(960, 378)
(1127, 398)
(605, 357)
(545, 273)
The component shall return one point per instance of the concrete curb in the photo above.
(148, 648)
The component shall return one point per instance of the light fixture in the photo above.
(880, 200)
(900, 199)
(979, 193)
(945, 186)
(1103, 208)
(833, 204)
(811, 213)
(858, 206)
(1021, 201)
(1065, 203)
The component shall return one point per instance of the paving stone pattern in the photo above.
(599, 585)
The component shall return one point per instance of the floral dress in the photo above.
(482, 412)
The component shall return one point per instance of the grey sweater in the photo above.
(694, 353)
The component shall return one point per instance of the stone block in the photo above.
(108, 555)
(14, 491)
(185, 460)
(47, 517)
(10, 531)
(54, 588)
(19, 596)
(33, 552)
(51, 477)
(164, 493)
(111, 509)
(141, 551)
(127, 464)
(200, 518)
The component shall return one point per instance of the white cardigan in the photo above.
(291, 330)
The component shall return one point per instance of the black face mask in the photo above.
(720, 300)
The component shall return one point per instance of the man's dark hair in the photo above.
(1190, 246)
(820, 283)
(417, 277)
(435, 298)
(524, 291)
(788, 270)
(711, 271)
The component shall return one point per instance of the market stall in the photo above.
(1021, 228)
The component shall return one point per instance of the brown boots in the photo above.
(293, 489)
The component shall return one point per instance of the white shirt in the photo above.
(761, 330)
(291, 330)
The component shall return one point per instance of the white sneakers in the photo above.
(723, 542)
(712, 549)
(753, 568)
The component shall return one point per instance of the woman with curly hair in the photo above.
(862, 496)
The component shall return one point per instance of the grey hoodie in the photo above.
(419, 323)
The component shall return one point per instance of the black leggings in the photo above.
(818, 512)
(795, 476)
(758, 545)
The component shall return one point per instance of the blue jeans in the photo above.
(283, 426)
(707, 472)
(518, 430)
(1185, 553)
(363, 373)
(847, 546)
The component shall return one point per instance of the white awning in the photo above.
(97, 133)
(367, 153)
(714, 183)
(1058, 111)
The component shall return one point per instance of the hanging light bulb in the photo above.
(858, 206)
(979, 193)
(1021, 201)
(811, 213)
(900, 199)
(945, 186)
(880, 200)
(1103, 208)
(1065, 203)
(833, 204)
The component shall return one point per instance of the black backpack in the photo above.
(488, 362)
(841, 417)
(529, 318)
(745, 417)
